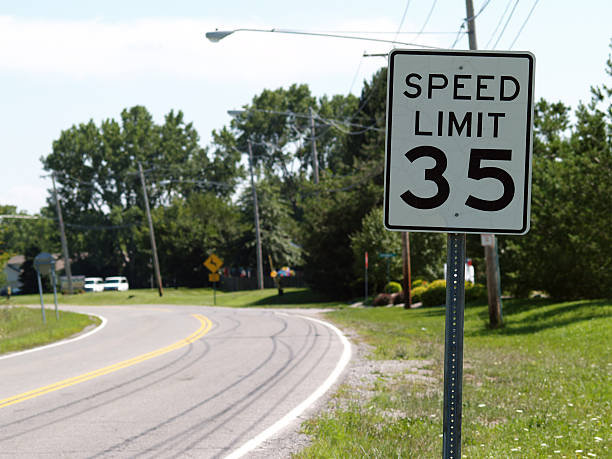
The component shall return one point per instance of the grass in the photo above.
(539, 387)
(293, 297)
(22, 328)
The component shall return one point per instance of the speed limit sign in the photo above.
(459, 139)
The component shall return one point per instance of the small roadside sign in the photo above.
(486, 240)
(459, 141)
(214, 277)
(213, 263)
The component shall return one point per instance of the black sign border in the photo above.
(528, 143)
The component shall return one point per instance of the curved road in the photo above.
(166, 382)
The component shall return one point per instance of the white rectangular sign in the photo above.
(459, 139)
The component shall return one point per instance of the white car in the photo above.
(116, 283)
(94, 284)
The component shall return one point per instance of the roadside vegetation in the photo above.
(539, 387)
(22, 328)
(292, 297)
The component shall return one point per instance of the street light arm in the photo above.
(221, 34)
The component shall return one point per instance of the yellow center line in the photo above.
(205, 326)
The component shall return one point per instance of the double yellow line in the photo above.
(205, 326)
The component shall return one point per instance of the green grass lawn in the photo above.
(539, 387)
(22, 328)
(293, 297)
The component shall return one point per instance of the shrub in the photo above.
(382, 299)
(393, 287)
(419, 282)
(435, 293)
(475, 292)
(417, 293)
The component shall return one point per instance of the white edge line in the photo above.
(295, 412)
(59, 343)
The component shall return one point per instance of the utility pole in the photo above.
(257, 232)
(407, 282)
(63, 237)
(151, 232)
(471, 24)
(315, 159)
(494, 299)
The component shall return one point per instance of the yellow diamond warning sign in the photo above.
(213, 263)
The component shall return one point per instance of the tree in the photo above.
(568, 251)
(277, 227)
(100, 190)
(188, 231)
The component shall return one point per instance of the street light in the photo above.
(221, 34)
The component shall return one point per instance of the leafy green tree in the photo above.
(375, 239)
(96, 169)
(279, 231)
(187, 232)
(568, 251)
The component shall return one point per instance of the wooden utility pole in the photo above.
(494, 299)
(315, 159)
(63, 237)
(151, 232)
(260, 285)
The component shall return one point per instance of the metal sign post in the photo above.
(453, 345)
(44, 263)
(213, 263)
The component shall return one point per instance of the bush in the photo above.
(417, 293)
(435, 293)
(382, 299)
(393, 287)
(475, 292)
(419, 282)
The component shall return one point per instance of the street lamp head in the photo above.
(235, 113)
(218, 35)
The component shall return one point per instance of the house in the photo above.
(13, 270)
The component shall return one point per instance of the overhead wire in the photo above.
(506, 24)
(501, 19)
(433, 6)
(402, 21)
(467, 19)
(525, 22)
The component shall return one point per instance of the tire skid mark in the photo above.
(324, 353)
(201, 403)
(260, 391)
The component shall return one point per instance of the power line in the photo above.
(402, 21)
(428, 18)
(466, 20)
(527, 19)
(506, 24)
(501, 19)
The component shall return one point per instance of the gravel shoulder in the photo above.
(359, 376)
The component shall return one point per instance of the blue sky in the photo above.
(66, 62)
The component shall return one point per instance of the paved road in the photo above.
(164, 382)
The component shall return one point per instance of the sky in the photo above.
(66, 62)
